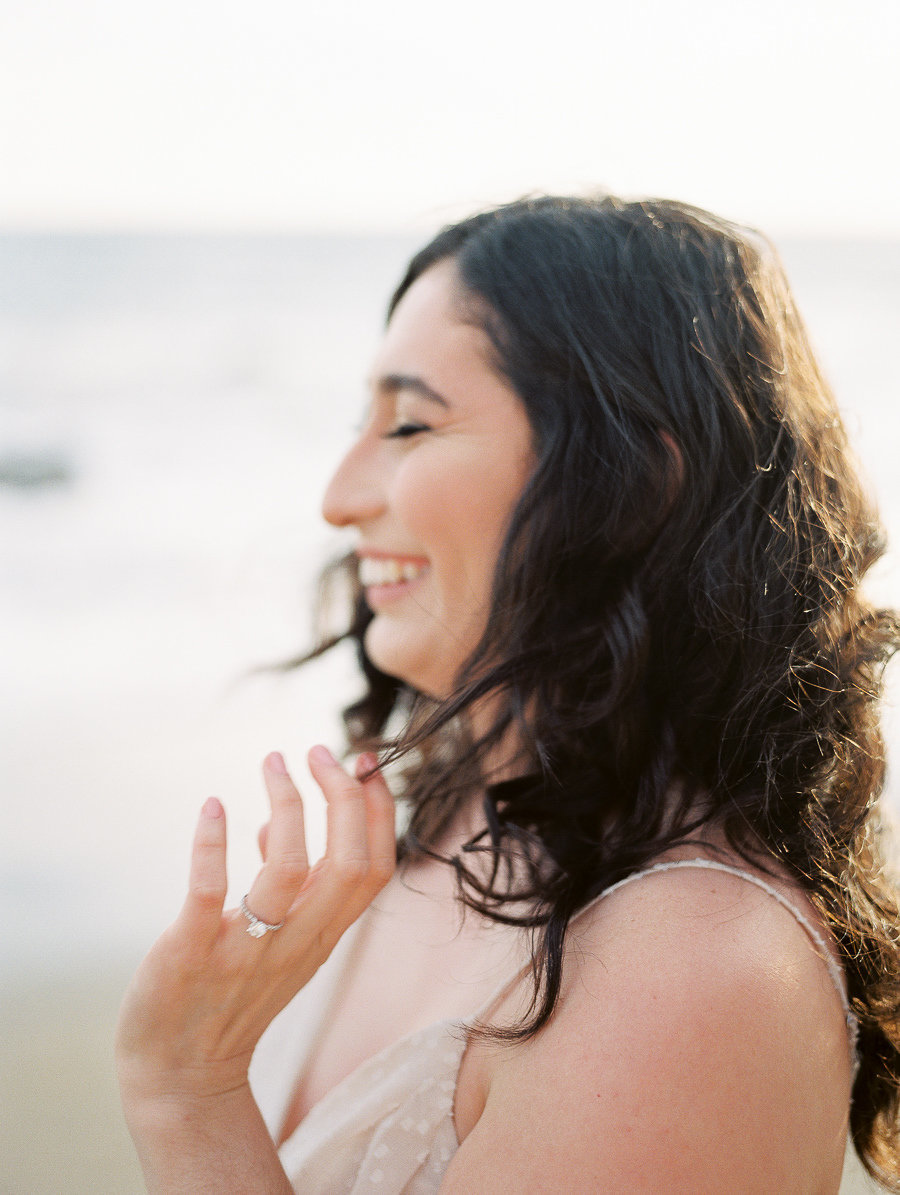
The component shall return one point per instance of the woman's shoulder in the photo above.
(743, 930)
(688, 896)
(698, 1030)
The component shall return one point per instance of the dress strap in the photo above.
(834, 969)
(813, 933)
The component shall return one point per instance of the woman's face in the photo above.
(430, 485)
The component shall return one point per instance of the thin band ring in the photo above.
(257, 927)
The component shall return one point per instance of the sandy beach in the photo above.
(61, 1128)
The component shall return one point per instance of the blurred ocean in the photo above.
(177, 403)
(189, 395)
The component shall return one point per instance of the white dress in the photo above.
(388, 1127)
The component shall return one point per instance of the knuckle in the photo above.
(352, 869)
(237, 967)
(349, 790)
(286, 794)
(323, 944)
(381, 869)
(208, 893)
(290, 869)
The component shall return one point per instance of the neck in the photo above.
(507, 758)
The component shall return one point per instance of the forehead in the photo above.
(433, 333)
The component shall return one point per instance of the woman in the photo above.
(606, 595)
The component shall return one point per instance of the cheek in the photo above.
(458, 510)
(433, 498)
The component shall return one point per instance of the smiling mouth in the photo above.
(375, 572)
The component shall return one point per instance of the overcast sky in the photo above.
(393, 114)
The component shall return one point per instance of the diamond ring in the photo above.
(257, 926)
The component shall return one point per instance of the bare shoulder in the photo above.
(699, 1045)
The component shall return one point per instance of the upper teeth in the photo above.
(379, 571)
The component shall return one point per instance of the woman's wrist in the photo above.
(147, 1083)
(191, 1143)
(155, 1107)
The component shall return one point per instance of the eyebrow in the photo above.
(391, 383)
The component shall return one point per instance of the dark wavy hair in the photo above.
(676, 634)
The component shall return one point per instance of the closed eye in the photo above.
(403, 430)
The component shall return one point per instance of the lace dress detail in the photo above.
(388, 1127)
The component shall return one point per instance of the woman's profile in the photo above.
(636, 932)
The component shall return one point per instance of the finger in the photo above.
(381, 815)
(347, 831)
(208, 883)
(365, 765)
(342, 884)
(262, 839)
(286, 864)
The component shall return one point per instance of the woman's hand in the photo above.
(202, 998)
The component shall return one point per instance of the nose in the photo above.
(355, 494)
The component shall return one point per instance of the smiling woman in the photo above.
(430, 485)
(606, 599)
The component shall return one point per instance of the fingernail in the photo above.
(367, 762)
(213, 808)
(322, 755)
(275, 763)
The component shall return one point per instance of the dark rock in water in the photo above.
(31, 470)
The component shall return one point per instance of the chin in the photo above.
(398, 661)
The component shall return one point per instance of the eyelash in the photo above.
(405, 430)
